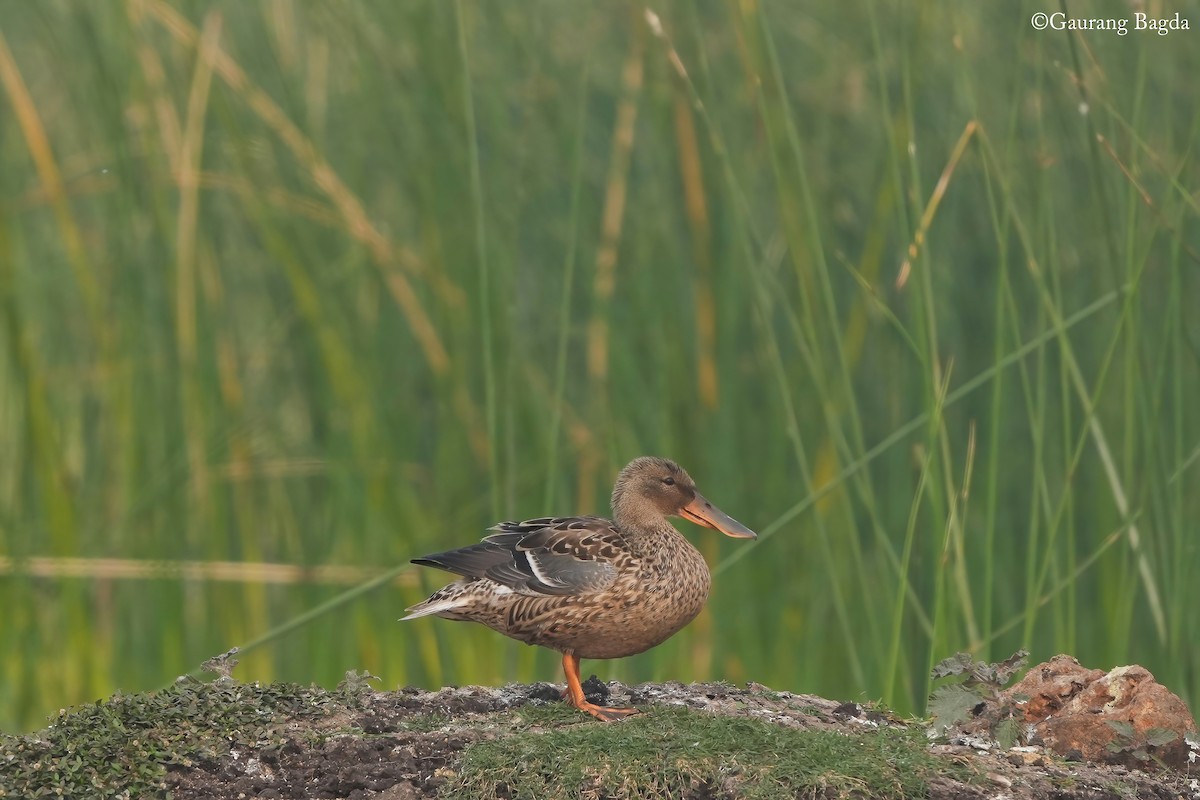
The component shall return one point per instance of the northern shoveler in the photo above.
(589, 587)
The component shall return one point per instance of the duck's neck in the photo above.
(636, 516)
(648, 533)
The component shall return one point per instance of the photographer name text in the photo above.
(1058, 21)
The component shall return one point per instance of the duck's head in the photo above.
(650, 489)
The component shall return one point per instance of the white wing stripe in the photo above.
(540, 573)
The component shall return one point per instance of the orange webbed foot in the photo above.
(574, 695)
(607, 713)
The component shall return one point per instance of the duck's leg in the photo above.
(574, 694)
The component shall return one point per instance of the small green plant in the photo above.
(355, 690)
(979, 690)
(222, 665)
(1141, 747)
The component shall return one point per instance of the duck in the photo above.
(586, 586)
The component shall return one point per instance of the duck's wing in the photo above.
(544, 556)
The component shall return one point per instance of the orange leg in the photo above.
(574, 694)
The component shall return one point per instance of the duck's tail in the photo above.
(432, 607)
(445, 602)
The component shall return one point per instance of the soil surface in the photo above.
(409, 744)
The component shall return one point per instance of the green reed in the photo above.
(337, 284)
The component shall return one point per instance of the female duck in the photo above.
(589, 587)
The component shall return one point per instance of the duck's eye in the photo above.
(669, 481)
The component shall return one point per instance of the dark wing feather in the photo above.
(549, 556)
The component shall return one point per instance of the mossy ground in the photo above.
(227, 739)
(675, 752)
(127, 743)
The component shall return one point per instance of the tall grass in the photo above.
(330, 285)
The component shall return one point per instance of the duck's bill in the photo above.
(702, 512)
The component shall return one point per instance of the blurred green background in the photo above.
(294, 291)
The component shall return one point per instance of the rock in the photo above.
(1122, 717)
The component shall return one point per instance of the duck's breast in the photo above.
(643, 608)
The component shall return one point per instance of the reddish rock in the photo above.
(1122, 717)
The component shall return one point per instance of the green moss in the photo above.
(669, 751)
(122, 746)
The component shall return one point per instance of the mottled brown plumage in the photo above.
(587, 586)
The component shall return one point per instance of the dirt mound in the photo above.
(225, 739)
